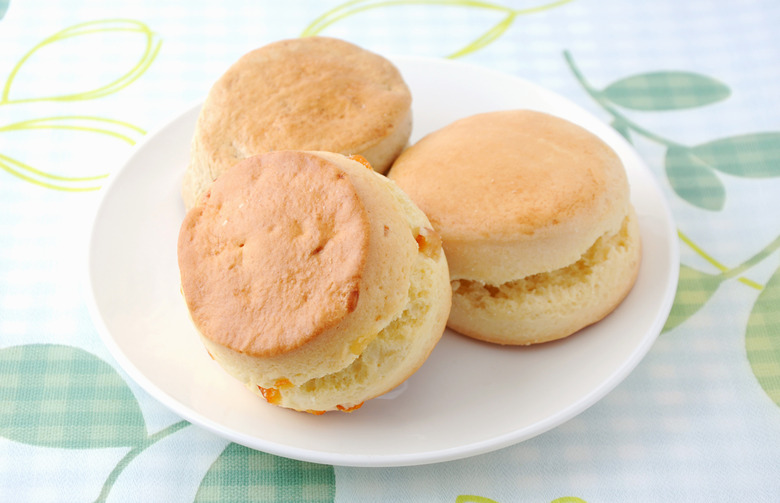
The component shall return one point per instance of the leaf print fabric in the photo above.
(60, 396)
(666, 91)
(693, 88)
(243, 475)
(50, 177)
(694, 172)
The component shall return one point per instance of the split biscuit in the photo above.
(536, 221)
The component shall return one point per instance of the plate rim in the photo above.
(459, 451)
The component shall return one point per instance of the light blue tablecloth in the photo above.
(693, 84)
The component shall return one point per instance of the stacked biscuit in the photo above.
(320, 283)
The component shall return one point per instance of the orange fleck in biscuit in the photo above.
(271, 395)
(349, 409)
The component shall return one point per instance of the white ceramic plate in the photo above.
(468, 398)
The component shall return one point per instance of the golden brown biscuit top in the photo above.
(312, 93)
(273, 254)
(502, 175)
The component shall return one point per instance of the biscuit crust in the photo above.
(514, 192)
(314, 93)
(284, 238)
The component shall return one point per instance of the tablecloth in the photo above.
(693, 85)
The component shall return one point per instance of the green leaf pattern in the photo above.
(60, 396)
(694, 289)
(762, 338)
(666, 91)
(354, 7)
(749, 156)
(152, 47)
(64, 397)
(243, 475)
(624, 129)
(694, 173)
(694, 180)
(120, 130)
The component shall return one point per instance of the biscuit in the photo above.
(314, 93)
(536, 222)
(313, 280)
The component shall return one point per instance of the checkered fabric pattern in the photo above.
(692, 85)
(61, 396)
